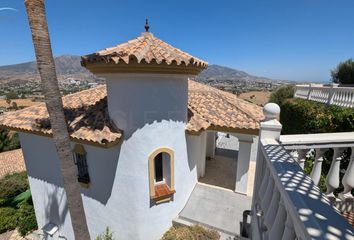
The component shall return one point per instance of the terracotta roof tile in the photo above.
(145, 49)
(89, 121)
(221, 110)
(86, 113)
(11, 162)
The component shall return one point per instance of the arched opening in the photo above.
(161, 174)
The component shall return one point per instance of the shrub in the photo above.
(12, 185)
(190, 233)
(304, 117)
(8, 219)
(7, 141)
(26, 219)
(300, 116)
(282, 94)
(107, 235)
(344, 72)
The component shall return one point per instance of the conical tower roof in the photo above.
(146, 53)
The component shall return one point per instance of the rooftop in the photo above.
(89, 122)
(146, 53)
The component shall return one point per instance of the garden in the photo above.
(16, 206)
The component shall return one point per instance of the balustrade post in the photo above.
(301, 157)
(332, 179)
(317, 166)
(309, 93)
(270, 128)
(272, 210)
(348, 179)
(277, 230)
(289, 231)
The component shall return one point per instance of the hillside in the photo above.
(68, 66)
(220, 73)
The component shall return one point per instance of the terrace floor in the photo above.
(217, 208)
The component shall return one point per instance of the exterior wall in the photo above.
(138, 99)
(118, 195)
(196, 151)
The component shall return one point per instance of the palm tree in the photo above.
(46, 67)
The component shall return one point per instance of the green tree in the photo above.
(344, 72)
(14, 105)
(282, 94)
(11, 95)
(8, 141)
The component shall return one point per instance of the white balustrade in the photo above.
(332, 95)
(348, 179)
(286, 203)
(317, 166)
(332, 179)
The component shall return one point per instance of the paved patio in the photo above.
(217, 208)
(221, 171)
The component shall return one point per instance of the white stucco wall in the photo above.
(118, 196)
(152, 112)
(137, 99)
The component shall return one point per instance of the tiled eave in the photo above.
(103, 144)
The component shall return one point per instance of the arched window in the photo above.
(83, 176)
(161, 174)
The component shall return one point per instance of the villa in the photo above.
(145, 141)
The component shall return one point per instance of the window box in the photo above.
(163, 192)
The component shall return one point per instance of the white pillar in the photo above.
(210, 148)
(243, 163)
(317, 166)
(270, 128)
(202, 154)
(332, 179)
(348, 179)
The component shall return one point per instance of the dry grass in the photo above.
(19, 102)
(190, 233)
(258, 97)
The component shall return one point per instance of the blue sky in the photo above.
(282, 39)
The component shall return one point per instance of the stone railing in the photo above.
(286, 203)
(317, 144)
(331, 95)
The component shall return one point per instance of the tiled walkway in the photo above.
(11, 161)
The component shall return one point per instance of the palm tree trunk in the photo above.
(45, 63)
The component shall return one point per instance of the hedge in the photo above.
(11, 185)
(8, 219)
(16, 206)
(300, 116)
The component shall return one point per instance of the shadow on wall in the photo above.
(56, 207)
(102, 165)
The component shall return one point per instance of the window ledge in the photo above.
(163, 193)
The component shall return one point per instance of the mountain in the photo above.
(68, 66)
(220, 73)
